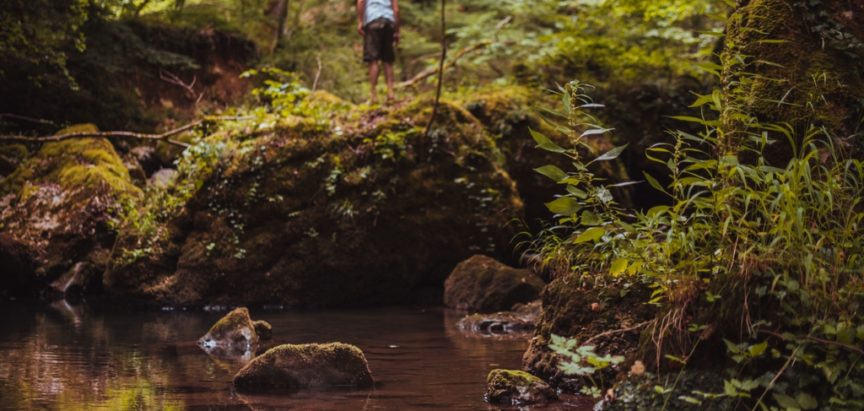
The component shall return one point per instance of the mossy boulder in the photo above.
(509, 114)
(288, 368)
(62, 205)
(576, 307)
(793, 62)
(512, 387)
(360, 209)
(482, 284)
(233, 334)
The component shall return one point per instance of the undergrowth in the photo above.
(766, 259)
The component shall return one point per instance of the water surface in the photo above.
(68, 358)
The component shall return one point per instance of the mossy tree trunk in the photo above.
(795, 62)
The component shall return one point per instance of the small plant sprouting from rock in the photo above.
(582, 361)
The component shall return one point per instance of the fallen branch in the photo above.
(613, 332)
(26, 119)
(174, 79)
(431, 71)
(166, 136)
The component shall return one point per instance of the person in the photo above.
(378, 23)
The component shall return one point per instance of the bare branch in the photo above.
(166, 136)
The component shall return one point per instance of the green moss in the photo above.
(79, 163)
(779, 72)
(511, 378)
(291, 367)
(238, 318)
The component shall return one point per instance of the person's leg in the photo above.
(388, 75)
(373, 81)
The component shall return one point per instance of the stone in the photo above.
(363, 209)
(288, 368)
(518, 323)
(482, 284)
(233, 334)
(263, 329)
(512, 387)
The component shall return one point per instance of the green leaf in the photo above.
(618, 267)
(806, 401)
(564, 206)
(785, 401)
(611, 154)
(654, 183)
(592, 234)
(758, 349)
(544, 143)
(552, 172)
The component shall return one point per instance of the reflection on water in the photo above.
(64, 358)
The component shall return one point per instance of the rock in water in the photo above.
(289, 367)
(483, 284)
(233, 334)
(512, 387)
(263, 329)
(518, 323)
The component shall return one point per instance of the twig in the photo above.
(166, 136)
(816, 340)
(174, 79)
(27, 119)
(440, 68)
(317, 73)
(613, 332)
(429, 72)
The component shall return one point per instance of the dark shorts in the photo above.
(378, 42)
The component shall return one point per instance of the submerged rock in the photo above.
(233, 334)
(483, 284)
(517, 323)
(512, 387)
(356, 210)
(287, 368)
(61, 212)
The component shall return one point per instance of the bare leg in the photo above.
(373, 80)
(388, 75)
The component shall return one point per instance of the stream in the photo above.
(61, 357)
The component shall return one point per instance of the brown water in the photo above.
(65, 358)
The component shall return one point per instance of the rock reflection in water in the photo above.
(57, 359)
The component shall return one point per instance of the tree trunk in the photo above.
(281, 13)
(785, 62)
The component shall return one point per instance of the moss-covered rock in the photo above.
(62, 205)
(512, 387)
(509, 113)
(575, 308)
(780, 66)
(233, 334)
(287, 368)
(361, 208)
(263, 329)
(483, 284)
